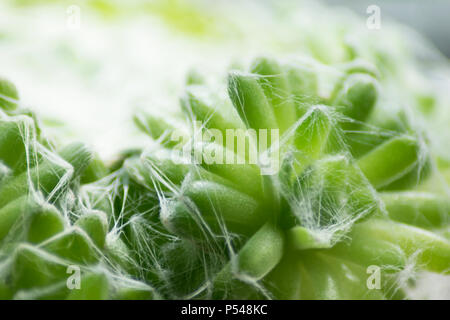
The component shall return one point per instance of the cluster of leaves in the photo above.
(349, 195)
(357, 186)
(46, 233)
